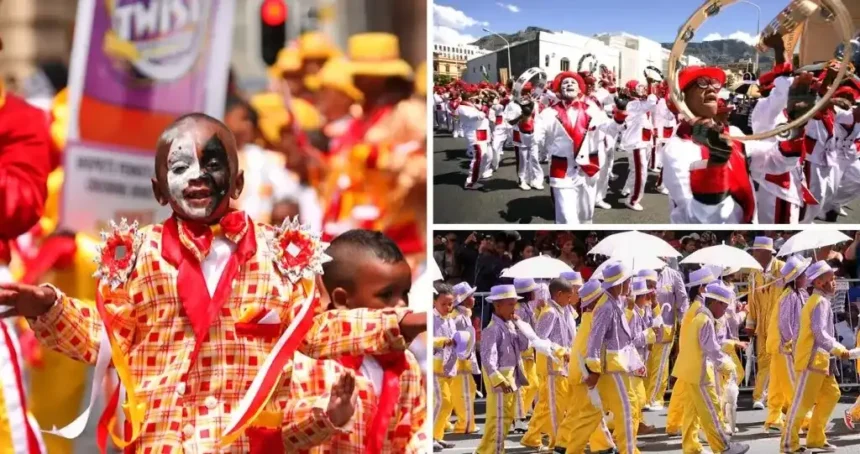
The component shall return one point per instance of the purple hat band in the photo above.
(503, 292)
(762, 242)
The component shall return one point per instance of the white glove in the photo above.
(854, 353)
(657, 322)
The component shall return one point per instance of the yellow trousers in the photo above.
(814, 389)
(762, 373)
(780, 390)
(463, 390)
(854, 411)
(500, 414)
(638, 384)
(618, 397)
(675, 414)
(581, 407)
(56, 391)
(527, 394)
(658, 373)
(553, 401)
(732, 351)
(703, 409)
(443, 405)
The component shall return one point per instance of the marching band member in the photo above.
(476, 128)
(527, 311)
(581, 406)
(463, 388)
(847, 134)
(644, 334)
(611, 359)
(763, 297)
(521, 116)
(671, 294)
(569, 130)
(708, 176)
(779, 196)
(728, 329)
(25, 157)
(636, 139)
(439, 117)
(453, 105)
(606, 93)
(556, 324)
(665, 122)
(817, 389)
(699, 359)
(782, 332)
(501, 128)
(699, 279)
(501, 367)
(444, 361)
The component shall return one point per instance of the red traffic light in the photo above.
(273, 12)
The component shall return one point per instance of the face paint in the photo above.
(569, 88)
(197, 184)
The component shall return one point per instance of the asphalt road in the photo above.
(501, 201)
(750, 425)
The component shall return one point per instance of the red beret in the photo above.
(689, 75)
(556, 83)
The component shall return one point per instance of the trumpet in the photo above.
(789, 24)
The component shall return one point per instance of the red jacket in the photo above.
(25, 161)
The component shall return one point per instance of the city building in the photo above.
(449, 60)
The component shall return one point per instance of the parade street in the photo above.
(750, 429)
(501, 201)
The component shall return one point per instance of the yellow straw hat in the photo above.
(337, 73)
(377, 54)
(316, 45)
(272, 114)
(289, 61)
(421, 79)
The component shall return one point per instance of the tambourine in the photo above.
(537, 87)
(840, 18)
(592, 68)
(653, 73)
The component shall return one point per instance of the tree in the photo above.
(442, 79)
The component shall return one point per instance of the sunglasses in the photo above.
(707, 82)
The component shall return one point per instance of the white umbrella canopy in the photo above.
(811, 239)
(623, 243)
(433, 271)
(633, 262)
(723, 256)
(540, 267)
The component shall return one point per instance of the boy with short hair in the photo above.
(368, 271)
(464, 387)
(640, 321)
(527, 310)
(444, 362)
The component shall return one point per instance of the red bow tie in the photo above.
(197, 237)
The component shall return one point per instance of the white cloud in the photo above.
(452, 18)
(752, 40)
(447, 35)
(509, 7)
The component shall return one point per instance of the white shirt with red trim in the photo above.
(476, 126)
(664, 121)
(638, 126)
(847, 133)
(821, 141)
(497, 115)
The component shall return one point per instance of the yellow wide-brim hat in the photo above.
(316, 45)
(337, 74)
(272, 115)
(377, 54)
(289, 61)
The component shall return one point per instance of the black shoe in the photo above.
(445, 444)
(560, 450)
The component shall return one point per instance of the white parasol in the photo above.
(811, 239)
(623, 243)
(723, 256)
(633, 262)
(540, 267)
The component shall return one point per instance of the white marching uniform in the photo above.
(636, 140)
(720, 194)
(529, 170)
(847, 133)
(572, 134)
(439, 111)
(665, 122)
(476, 128)
(456, 127)
(501, 130)
(779, 196)
(821, 168)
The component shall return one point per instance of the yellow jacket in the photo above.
(687, 320)
(764, 293)
(815, 343)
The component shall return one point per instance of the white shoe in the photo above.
(826, 448)
(647, 408)
(487, 175)
(758, 405)
(736, 448)
(525, 186)
(634, 206)
(603, 204)
(437, 447)
(656, 407)
(538, 185)
(625, 193)
(473, 186)
(842, 212)
(662, 190)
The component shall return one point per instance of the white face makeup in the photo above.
(183, 167)
(569, 88)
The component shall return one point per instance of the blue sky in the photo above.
(461, 20)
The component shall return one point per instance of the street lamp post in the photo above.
(510, 69)
(757, 32)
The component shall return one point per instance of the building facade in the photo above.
(449, 60)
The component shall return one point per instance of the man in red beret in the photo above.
(572, 131)
(847, 135)
(707, 174)
(476, 128)
(636, 139)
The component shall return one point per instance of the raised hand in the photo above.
(21, 300)
(706, 132)
(801, 96)
(340, 405)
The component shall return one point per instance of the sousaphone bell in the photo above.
(788, 23)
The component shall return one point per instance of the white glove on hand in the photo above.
(657, 322)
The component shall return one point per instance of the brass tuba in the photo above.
(789, 23)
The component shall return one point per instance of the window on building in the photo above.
(565, 64)
(489, 67)
(447, 68)
(546, 61)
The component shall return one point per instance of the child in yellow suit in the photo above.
(642, 325)
(444, 362)
(527, 311)
(464, 387)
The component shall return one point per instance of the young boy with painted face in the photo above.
(464, 386)
(502, 368)
(222, 342)
(816, 387)
(369, 271)
(444, 362)
(556, 324)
